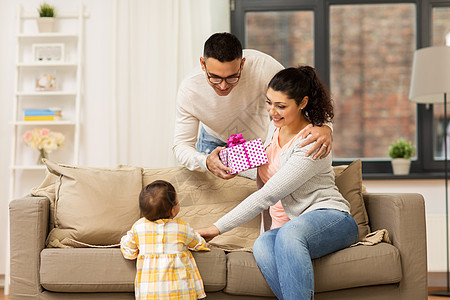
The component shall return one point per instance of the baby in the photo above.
(165, 268)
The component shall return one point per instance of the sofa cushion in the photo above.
(253, 283)
(358, 266)
(86, 270)
(105, 270)
(204, 198)
(93, 206)
(355, 267)
(212, 266)
(349, 183)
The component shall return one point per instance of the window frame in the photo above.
(424, 166)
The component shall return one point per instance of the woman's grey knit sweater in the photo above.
(302, 184)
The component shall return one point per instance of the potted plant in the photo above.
(46, 17)
(401, 152)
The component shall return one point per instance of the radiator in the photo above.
(436, 238)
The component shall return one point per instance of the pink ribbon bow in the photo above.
(235, 139)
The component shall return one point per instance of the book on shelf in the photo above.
(50, 114)
(42, 118)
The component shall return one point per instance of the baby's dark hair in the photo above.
(296, 83)
(157, 200)
(224, 47)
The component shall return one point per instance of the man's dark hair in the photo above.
(157, 200)
(224, 47)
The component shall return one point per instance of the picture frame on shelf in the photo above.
(45, 53)
(46, 81)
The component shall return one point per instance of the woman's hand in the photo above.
(209, 233)
(323, 136)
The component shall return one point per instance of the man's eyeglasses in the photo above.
(218, 80)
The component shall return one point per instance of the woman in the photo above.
(310, 217)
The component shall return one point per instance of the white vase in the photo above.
(42, 155)
(401, 166)
(45, 24)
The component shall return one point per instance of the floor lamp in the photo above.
(430, 83)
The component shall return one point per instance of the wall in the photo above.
(95, 111)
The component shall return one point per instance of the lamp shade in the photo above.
(430, 77)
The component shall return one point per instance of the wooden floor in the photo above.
(429, 297)
(3, 297)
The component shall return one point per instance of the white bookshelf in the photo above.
(69, 32)
(66, 69)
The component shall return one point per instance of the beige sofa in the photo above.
(382, 271)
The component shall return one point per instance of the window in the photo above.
(291, 39)
(441, 37)
(363, 50)
(371, 52)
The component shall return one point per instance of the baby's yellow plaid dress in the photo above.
(165, 268)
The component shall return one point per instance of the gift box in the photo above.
(242, 155)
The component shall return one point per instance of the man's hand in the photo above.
(209, 233)
(215, 165)
(323, 136)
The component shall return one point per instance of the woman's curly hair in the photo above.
(303, 81)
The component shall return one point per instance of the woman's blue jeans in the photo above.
(285, 254)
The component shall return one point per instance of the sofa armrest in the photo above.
(28, 232)
(403, 215)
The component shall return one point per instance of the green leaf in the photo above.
(46, 10)
(401, 149)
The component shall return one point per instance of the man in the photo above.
(227, 96)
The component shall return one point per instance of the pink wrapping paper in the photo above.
(244, 155)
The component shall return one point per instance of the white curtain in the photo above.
(156, 44)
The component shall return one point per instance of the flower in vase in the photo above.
(43, 139)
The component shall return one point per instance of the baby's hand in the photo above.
(209, 233)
